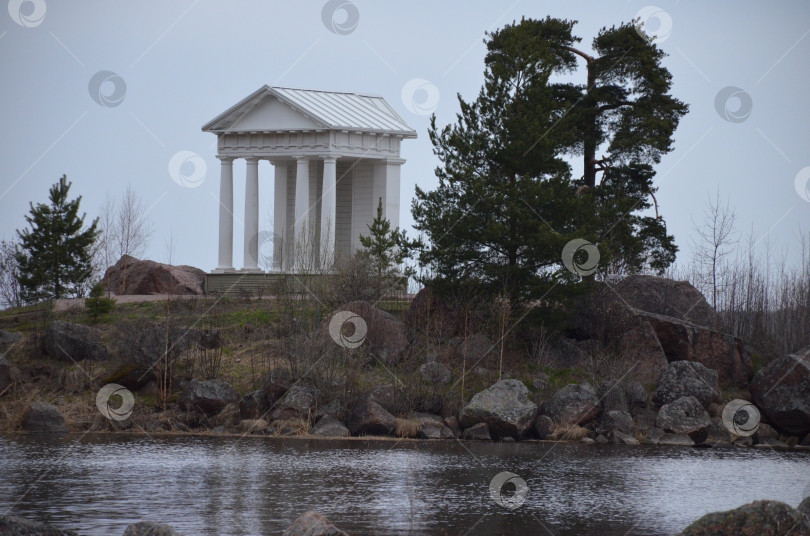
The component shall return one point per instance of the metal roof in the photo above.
(332, 109)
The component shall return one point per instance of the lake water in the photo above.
(98, 484)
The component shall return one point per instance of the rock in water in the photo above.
(208, 396)
(150, 528)
(41, 417)
(782, 391)
(685, 416)
(150, 277)
(573, 404)
(73, 342)
(687, 378)
(17, 526)
(505, 408)
(759, 518)
(312, 523)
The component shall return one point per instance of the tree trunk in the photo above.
(589, 132)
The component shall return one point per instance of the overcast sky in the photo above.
(176, 65)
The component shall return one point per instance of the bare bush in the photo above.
(10, 290)
(763, 300)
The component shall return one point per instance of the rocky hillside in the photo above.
(643, 363)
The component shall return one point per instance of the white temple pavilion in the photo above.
(335, 155)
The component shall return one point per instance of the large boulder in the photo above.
(573, 404)
(296, 403)
(640, 347)
(385, 338)
(150, 528)
(612, 396)
(435, 373)
(276, 384)
(390, 397)
(477, 432)
(8, 338)
(804, 506)
(41, 417)
(429, 315)
(718, 351)
(17, 526)
(133, 276)
(636, 395)
(613, 307)
(370, 418)
(687, 378)
(505, 408)
(617, 421)
(208, 396)
(680, 319)
(73, 342)
(758, 518)
(312, 523)
(253, 405)
(685, 416)
(133, 375)
(781, 390)
(668, 297)
(328, 426)
(433, 427)
(544, 426)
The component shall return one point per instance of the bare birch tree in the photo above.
(715, 239)
(132, 230)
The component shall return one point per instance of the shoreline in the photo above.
(388, 439)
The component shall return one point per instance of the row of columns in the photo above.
(303, 220)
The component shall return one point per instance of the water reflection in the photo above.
(257, 486)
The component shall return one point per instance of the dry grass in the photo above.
(569, 432)
(291, 427)
(407, 428)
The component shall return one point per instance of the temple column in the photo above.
(386, 187)
(328, 211)
(251, 242)
(225, 214)
(280, 232)
(301, 247)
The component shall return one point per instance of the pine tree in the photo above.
(387, 249)
(55, 256)
(508, 200)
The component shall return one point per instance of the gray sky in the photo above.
(184, 62)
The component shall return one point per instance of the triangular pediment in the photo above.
(272, 114)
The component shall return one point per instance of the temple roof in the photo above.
(278, 108)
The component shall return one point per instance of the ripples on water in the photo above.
(256, 486)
